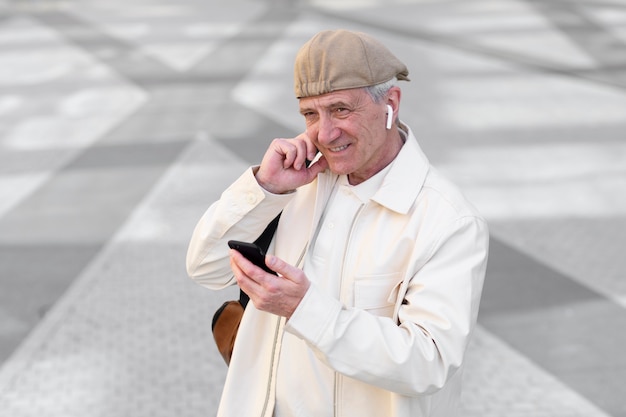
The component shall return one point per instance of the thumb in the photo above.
(281, 267)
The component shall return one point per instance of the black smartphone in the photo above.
(252, 252)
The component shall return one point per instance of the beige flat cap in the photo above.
(340, 59)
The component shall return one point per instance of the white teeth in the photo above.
(339, 148)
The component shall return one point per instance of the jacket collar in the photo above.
(406, 177)
(400, 186)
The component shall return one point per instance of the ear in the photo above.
(393, 105)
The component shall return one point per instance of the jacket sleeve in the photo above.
(438, 313)
(242, 213)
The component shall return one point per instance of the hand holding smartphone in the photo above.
(251, 252)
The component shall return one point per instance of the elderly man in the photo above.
(380, 259)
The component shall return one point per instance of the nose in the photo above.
(327, 132)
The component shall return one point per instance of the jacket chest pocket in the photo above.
(372, 292)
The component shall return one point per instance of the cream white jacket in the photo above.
(410, 289)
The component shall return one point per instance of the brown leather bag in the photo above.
(226, 319)
(225, 326)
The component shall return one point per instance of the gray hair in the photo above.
(378, 91)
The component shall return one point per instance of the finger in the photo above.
(301, 154)
(242, 266)
(311, 150)
(242, 280)
(287, 151)
(284, 269)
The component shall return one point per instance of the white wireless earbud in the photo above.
(389, 116)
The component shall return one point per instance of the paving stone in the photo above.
(120, 123)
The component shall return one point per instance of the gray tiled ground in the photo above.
(120, 122)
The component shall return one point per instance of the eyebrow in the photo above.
(339, 104)
(333, 105)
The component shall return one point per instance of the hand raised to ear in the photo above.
(283, 168)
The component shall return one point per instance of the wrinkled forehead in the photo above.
(347, 98)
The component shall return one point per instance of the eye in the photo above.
(341, 111)
(309, 116)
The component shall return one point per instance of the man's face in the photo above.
(348, 128)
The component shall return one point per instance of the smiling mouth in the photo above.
(339, 148)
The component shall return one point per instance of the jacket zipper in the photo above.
(337, 376)
(276, 335)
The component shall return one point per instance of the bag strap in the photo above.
(263, 242)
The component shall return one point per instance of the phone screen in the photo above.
(252, 252)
